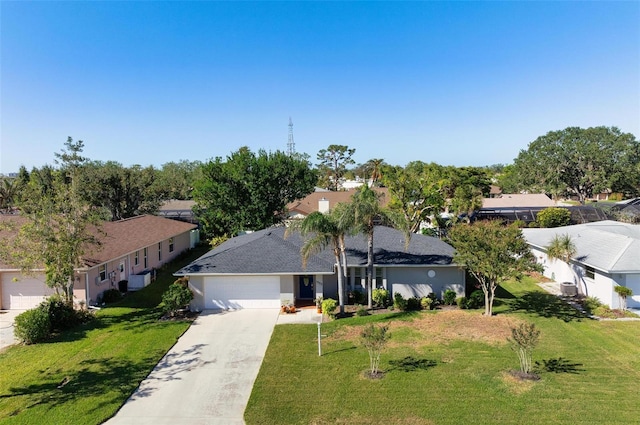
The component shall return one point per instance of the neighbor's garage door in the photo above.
(22, 293)
(242, 292)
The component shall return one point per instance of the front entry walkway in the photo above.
(207, 377)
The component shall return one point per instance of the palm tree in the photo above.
(374, 166)
(361, 216)
(325, 231)
(562, 248)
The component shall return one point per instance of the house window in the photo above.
(136, 259)
(146, 263)
(590, 272)
(170, 244)
(103, 272)
(159, 251)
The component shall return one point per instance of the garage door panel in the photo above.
(242, 292)
(22, 293)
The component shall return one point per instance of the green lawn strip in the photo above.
(100, 363)
(593, 377)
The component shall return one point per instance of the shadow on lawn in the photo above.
(559, 365)
(411, 364)
(118, 378)
(545, 305)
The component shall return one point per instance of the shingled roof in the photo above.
(268, 252)
(117, 238)
(608, 245)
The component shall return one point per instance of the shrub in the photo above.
(553, 217)
(413, 304)
(356, 297)
(32, 326)
(434, 300)
(362, 311)
(61, 315)
(449, 297)
(623, 292)
(590, 304)
(462, 302)
(380, 297)
(476, 299)
(399, 302)
(425, 303)
(374, 339)
(111, 296)
(329, 307)
(523, 340)
(175, 297)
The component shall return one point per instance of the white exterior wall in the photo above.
(632, 281)
(196, 284)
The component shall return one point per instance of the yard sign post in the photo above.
(319, 343)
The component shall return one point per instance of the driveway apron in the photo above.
(207, 377)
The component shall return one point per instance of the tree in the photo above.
(492, 253)
(325, 231)
(562, 248)
(333, 163)
(248, 191)
(59, 226)
(623, 292)
(123, 191)
(175, 180)
(524, 339)
(374, 338)
(361, 215)
(580, 162)
(373, 168)
(9, 188)
(553, 217)
(416, 192)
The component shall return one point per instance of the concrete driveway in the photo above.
(207, 377)
(6, 327)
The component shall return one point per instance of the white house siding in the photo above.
(420, 281)
(196, 284)
(632, 281)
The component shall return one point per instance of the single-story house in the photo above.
(129, 250)
(324, 200)
(264, 269)
(518, 200)
(608, 255)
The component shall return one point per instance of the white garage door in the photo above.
(242, 292)
(24, 292)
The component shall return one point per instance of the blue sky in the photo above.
(457, 83)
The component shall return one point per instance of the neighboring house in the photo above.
(494, 191)
(518, 200)
(129, 249)
(608, 255)
(264, 269)
(323, 201)
(178, 210)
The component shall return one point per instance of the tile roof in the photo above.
(268, 252)
(609, 246)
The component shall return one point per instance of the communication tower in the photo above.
(291, 146)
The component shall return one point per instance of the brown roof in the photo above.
(310, 204)
(123, 237)
(518, 200)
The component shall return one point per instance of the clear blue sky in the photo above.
(457, 83)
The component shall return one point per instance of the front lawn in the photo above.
(84, 376)
(451, 368)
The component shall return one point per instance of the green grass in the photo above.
(592, 376)
(103, 361)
